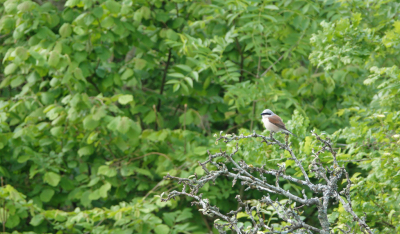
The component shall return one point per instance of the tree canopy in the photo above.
(101, 99)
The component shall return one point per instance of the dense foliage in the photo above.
(101, 99)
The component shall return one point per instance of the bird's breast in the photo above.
(270, 126)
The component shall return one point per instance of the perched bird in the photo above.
(273, 122)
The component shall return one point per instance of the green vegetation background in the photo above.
(100, 99)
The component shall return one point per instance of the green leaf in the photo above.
(189, 81)
(89, 123)
(271, 7)
(113, 6)
(143, 171)
(85, 198)
(172, 82)
(89, 19)
(176, 87)
(125, 99)
(99, 113)
(12, 221)
(391, 214)
(54, 58)
(162, 17)
(103, 190)
(200, 150)
(307, 145)
(269, 17)
(46, 195)
(184, 67)
(78, 74)
(94, 181)
(107, 22)
(333, 216)
(57, 131)
(199, 171)
(10, 7)
(79, 30)
(150, 117)
(195, 76)
(140, 63)
(177, 75)
(136, 129)
(52, 178)
(36, 220)
(4, 172)
(95, 195)
(107, 171)
(17, 81)
(184, 215)
(172, 35)
(92, 137)
(98, 12)
(184, 88)
(121, 144)
(318, 88)
(161, 229)
(114, 123)
(123, 125)
(25, 6)
(10, 69)
(127, 74)
(65, 30)
(146, 12)
(72, 3)
(86, 150)
(23, 158)
(178, 22)
(22, 53)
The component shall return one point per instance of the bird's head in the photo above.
(267, 112)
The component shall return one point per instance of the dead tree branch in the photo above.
(322, 192)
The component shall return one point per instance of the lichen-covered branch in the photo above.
(323, 192)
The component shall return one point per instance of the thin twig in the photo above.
(155, 113)
(241, 171)
(98, 224)
(184, 128)
(252, 118)
(164, 77)
(157, 153)
(4, 219)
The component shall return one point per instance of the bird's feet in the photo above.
(287, 138)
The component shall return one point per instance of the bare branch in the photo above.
(288, 212)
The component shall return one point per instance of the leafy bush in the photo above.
(100, 100)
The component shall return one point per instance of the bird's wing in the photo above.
(276, 120)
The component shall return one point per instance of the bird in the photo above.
(273, 123)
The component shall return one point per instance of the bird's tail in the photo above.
(291, 133)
